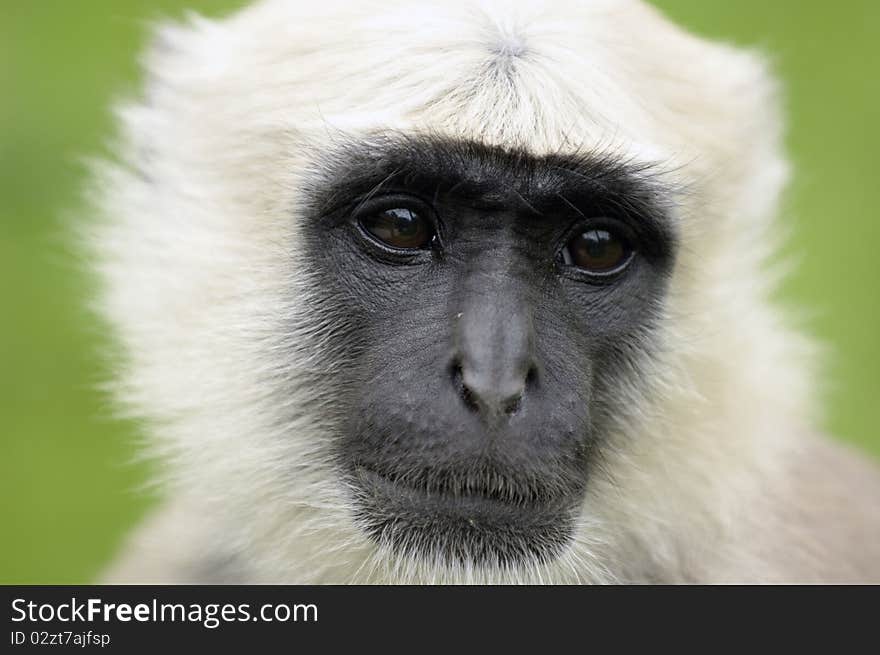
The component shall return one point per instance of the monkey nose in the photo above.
(492, 396)
(493, 360)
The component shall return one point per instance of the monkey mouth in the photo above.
(493, 490)
(489, 519)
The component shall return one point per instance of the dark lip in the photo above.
(517, 498)
(457, 525)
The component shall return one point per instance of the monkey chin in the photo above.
(463, 524)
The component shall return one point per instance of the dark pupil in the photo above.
(597, 250)
(399, 227)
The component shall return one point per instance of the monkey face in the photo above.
(455, 279)
(494, 301)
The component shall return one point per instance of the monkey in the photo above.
(465, 292)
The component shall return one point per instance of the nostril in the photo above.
(531, 377)
(511, 405)
(468, 396)
(489, 400)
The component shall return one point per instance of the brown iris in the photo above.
(399, 227)
(597, 251)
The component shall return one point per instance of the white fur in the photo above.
(198, 248)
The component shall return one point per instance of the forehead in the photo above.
(271, 87)
(550, 77)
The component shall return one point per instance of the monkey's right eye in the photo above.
(401, 228)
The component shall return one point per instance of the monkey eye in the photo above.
(598, 251)
(402, 228)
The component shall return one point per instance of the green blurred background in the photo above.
(68, 486)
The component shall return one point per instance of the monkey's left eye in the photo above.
(402, 228)
(597, 251)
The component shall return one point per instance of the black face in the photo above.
(488, 303)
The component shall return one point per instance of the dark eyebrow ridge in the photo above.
(361, 168)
